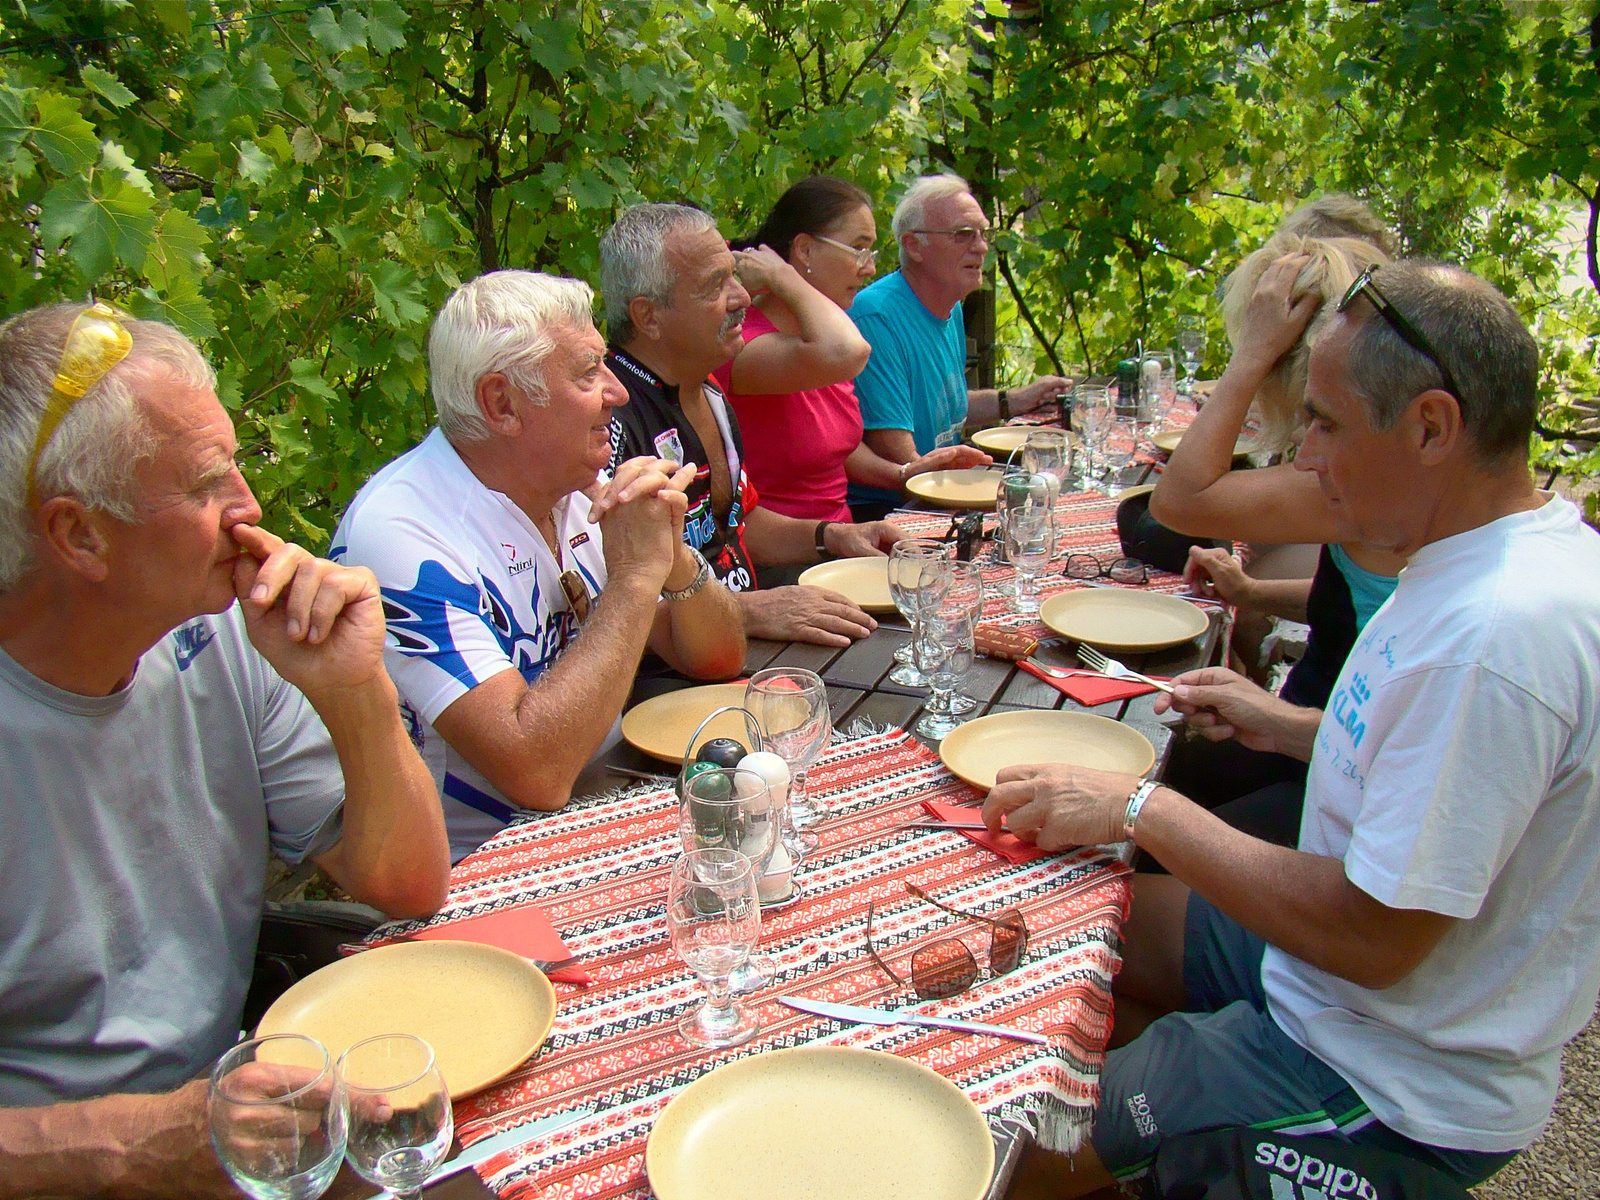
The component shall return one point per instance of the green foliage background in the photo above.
(299, 183)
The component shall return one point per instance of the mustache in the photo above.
(731, 322)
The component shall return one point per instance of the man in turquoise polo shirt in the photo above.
(913, 391)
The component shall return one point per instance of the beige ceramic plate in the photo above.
(1118, 619)
(820, 1123)
(972, 488)
(663, 724)
(1168, 440)
(1002, 439)
(864, 580)
(484, 1010)
(978, 750)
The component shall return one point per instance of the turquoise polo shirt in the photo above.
(916, 379)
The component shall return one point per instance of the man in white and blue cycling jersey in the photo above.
(521, 584)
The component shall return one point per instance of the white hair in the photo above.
(503, 323)
(911, 212)
(95, 451)
(633, 260)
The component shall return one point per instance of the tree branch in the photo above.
(844, 92)
(1027, 313)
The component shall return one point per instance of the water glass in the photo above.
(964, 593)
(1117, 452)
(791, 706)
(1030, 534)
(726, 808)
(905, 576)
(1048, 452)
(944, 652)
(714, 921)
(1192, 346)
(1158, 389)
(400, 1119)
(277, 1117)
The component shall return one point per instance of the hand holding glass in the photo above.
(277, 1117)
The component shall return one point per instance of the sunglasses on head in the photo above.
(1409, 333)
(945, 967)
(96, 342)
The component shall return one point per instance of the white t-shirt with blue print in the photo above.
(470, 589)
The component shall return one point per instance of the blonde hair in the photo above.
(1333, 266)
(1339, 215)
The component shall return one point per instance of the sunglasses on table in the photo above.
(1121, 570)
(945, 967)
(1409, 333)
(96, 342)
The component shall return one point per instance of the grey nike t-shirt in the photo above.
(136, 830)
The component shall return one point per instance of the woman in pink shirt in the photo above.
(791, 384)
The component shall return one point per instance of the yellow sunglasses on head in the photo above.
(96, 342)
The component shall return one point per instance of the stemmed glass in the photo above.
(1092, 414)
(791, 706)
(277, 1117)
(400, 1118)
(1192, 344)
(1117, 451)
(714, 920)
(944, 652)
(1048, 452)
(963, 593)
(1030, 534)
(905, 576)
(731, 809)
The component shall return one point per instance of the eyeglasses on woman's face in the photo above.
(865, 257)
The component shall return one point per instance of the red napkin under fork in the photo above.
(523, 930)
(1007, 845)
(1090, 690)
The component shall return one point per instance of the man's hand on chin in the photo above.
(803, 614)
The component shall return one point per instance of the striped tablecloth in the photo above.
(599, 870)
(1086, 523)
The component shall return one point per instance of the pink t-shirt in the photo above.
(795, 445)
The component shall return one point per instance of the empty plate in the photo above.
(978, 750)
(1121, 619)
(863, 580)
(1002, 439)
(974, 487)
(1167, 440)
(820, 1123)
(484, 1010)
(663, 725)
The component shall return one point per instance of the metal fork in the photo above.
(1090, 657)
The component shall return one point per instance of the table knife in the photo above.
(506, 1139)
(935, 823)
(874, 1016)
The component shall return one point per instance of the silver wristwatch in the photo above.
(701, 578)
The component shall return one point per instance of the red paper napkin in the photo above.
(1007, 845)
(523, 930)
(1090, 690)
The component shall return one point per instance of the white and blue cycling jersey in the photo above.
(470, 589)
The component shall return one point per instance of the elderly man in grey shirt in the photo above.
(181, 694)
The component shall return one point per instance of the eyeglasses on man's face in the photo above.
(964, 236)
(864, 257)
(1409, 333)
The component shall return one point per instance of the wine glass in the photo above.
(714, 920)
(1030, 534)
(1117, 451)
(1192, 344)
(944, 652)
(905, 572)
(277, 1117)
(400, 1118)
(1092, 413)
(731, 809)
(1048, 452)
(964, 593)
(791, 706)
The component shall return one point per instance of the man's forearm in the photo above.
(777, 540)
(704, 635)
(393, 854)
(114, 1146)
(1285, 598)
(1301, 903)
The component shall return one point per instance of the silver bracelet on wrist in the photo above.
(701, 578)
(1136, 801)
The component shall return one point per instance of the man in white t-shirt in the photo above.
(521, 585)
(1408, 975)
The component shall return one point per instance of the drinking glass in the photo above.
(731, 809)
(1092, 413)
(791, 706)
(400, 1118)
(963, 593)
(944, 653)
(905, 574)
(1030, 534)
(277, 1117)
(1158, 389)
(1048, 452)
(1192, 345)
(1117, 452)
(714, 920)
